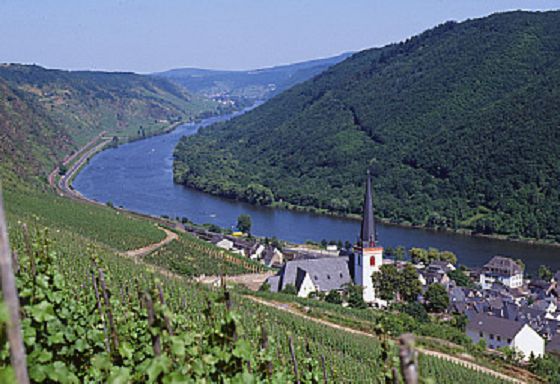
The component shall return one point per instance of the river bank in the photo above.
(139, 177)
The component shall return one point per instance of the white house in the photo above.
(501, 270)
(225, 244)
(310, 275)
(500, 332)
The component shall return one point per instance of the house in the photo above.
(311, 275)
(501, 270)
(225, 244)
(272, 257)
(429, 276)
(553, 346)
(440, 265)
(498, 332)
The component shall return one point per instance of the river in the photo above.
(139, 176)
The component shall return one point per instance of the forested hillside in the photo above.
(459, 125)
(46, 114)
(246, 87)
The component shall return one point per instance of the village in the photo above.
(502, 308)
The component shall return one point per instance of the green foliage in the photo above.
(458, 126)
(387, 281)
(244, 223)
(452, 374)
(436, 298)
(545, 273)
(547, 367)
(416, 311)
(354, 296)
(391, 282)
(333, 297)
(290, 289)
(123, 328)
(426, 256)
(460, 277)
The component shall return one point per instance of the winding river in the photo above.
(139, 177)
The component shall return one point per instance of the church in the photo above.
(334, 273)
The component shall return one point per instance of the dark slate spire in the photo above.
(368, 237)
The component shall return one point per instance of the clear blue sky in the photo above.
(152, 35)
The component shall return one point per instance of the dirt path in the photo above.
(465, 363)
(140, 252)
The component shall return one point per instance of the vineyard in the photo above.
(190, 256)
(92, 316)
(102, 224)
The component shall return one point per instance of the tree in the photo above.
(409, 285)
(62, 169)
(419, 255)
(399, 253)
(290, 289)
(545, 273)
(460, 321)
(258, 194)
(460, 278)
(333, 297)
(448, 256)
(387, 281)
(244, 223)
(417, 311)
(387, 252)
(436, 298)
(355, 298)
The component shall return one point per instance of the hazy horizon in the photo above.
(144, 37)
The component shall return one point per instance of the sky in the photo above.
(149, 35)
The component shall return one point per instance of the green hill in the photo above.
(46, 114)
(459, 126)
(247, 87)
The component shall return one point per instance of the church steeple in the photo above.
(368, 236)
(368, 256)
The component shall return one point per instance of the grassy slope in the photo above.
(458, 125)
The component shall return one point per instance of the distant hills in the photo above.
(46, 114)
(246, 87)
(459, 125)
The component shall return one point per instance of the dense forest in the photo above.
(45, 113)
(458, 125)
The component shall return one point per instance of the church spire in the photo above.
(368, 236)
